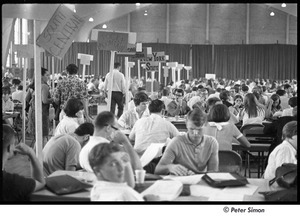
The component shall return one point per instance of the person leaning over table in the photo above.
(115, 180)
(14, 186)
(273, 107)
(106, 130)
(286, 152)
(192, 152)
(62, 151)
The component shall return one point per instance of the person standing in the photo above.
(72, 87)
(118, 88)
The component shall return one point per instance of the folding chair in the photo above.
(230, 161)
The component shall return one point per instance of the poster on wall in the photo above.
(210, 76)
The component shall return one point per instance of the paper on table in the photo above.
(191, 180)
(221, 176)
(153, 151)
(203, 190)
(166, 190)
(244, 190)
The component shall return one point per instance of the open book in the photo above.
(165, 189)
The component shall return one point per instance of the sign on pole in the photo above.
(85, 60)
(151, 66)
(61, 30)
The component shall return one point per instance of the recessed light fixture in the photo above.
(74, 10)
(145, 14)
(137, 4)
(104, 26)
(91, 19)
(283, 5)
(272, 14)
(145, 11)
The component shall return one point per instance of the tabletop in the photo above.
(46, 195)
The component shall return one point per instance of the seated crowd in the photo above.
(213, 112)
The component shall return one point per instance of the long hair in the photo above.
(250, 105)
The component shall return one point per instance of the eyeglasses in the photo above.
(178, 95)
(115, 128)
(195, 131)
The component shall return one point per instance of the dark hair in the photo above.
(275, 97)
(16, 81)
(7, 134)
(100, 152)
(197, 116)
(179, 90)
(139, 89)
(43, 71)
(211, 101)
(286, 86)
(219, 113)
(73, 106)
(20, 87)
(103, 119)
(165, 92)
(224, 95)
(237, 96)
(84, 129)
(116, 65)
(194, 89)
(72, 69)
(289, 130)
(280, 92)
(156, 106)
(293, 101)
(140, 97)
(245, 88)
(6, 90)
(250, 105)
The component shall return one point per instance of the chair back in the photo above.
(230, 161)
(255, 133)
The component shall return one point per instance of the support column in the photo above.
(168, 25)
(287, 36)
(248, 23)
(207, 23)
(128, 22)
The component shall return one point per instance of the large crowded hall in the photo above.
(152, 103)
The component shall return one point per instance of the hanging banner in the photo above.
(113, 41)
(61, 30)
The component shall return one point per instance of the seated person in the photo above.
(16, 187)
(18, 94)
(292, 104)
(131, 102)
(106, 130)
(72, 119)
(165, 96)
(62, 151)
(273, 107)
(286, 152)
(252, 113)
(7, 105)
(199, 99)
(128, 119)
(152, 129)
(192, 152)
(112, 168)
(178, 106)
(218, 126)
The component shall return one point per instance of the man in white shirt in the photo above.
(18, 94)
(106, 130)
(152, 129)
(118, 88)
(292, 103)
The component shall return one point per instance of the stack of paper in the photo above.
(190, 180)
(166, 190)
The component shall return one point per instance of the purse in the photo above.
(286, 175)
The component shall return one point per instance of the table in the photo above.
(179, 123)
(46, 195)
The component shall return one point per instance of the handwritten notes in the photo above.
(61, 30)
(115, 41)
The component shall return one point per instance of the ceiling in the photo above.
(290, 8)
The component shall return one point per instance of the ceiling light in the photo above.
(104, 26)
(91, 19)
(272, 14)
(145, 11)
(145, 14)
(283, 5)
(74, 10)
(137, 4)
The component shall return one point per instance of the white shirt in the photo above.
(166, 100)
(152, 129)
(66, 125)
(84, 153)
(287, 112)
(113, 191)
(283, 153)
(129, 117)
(118, 81)
(17, 95)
